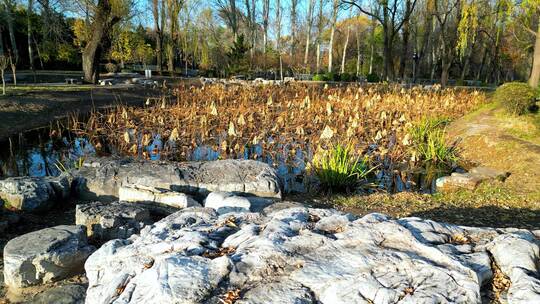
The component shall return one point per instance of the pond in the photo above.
(36, 153)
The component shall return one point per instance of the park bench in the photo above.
(71, 81)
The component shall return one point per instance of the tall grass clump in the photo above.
(339, 169)
(517, 98)
(429, 142)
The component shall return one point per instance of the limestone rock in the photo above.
(106, 221)
(34, 193)
(224, 202)
(45, 255)
(303, 255)
(489, 173)
(517, 256)
(457, 181)
(104, 177)
(157, 199)
(66, 294)
(469, 180)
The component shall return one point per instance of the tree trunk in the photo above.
(405, 46)
(9, 15)
(319, 34)
(331, 48)
(318, 57)
(2, 53)
(308, 32)
(358, 52)
(534, 78)
(345, 50)
(332, 33)
(387, 49)
(3, 84)
(294, 4)
(99, 40)
(159, 36)
(29, 35)
(372, 53)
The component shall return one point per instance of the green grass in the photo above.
(339, 169)
(429, 142)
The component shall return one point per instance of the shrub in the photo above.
(347, 77)
(110, 67)
(373, 78)
(429, 142)
(318, 77)
(338, 168)
(331, 76)
(516, 97)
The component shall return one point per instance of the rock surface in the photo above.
(34, 193)
(158, 199)
(224, 202)
(107, 221)
(102, 178)
(67, 294)
(309, 256)
(45, 255)
(469, 180)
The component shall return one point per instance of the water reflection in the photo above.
(289, 160)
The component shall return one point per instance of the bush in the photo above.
(516, 97)
(331, 76)
(338, 168)
(110, 67)
(347, 77)
(429, 142)
(319, 77)
(373, 78)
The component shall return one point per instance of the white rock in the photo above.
(106, 221)
(45, 255)
(224, 202)
(517, 255)
(302, 255)
(159, 196)
(102, 181)
(34, 193)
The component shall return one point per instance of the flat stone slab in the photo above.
(102, 178)
(224, 202)
(45, 255)
(304, 255)
(489, 173)
(107, 221)
(469, 180)
(33, 193)
(157, 199)
(457, 181)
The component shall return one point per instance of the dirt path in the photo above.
(36, 109)
(490, 137)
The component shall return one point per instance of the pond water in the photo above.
(32, 156)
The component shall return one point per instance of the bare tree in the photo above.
(320, 26)
(335, 8)
(29, 12)
(294, 25)
(228, 12)
(265, 16)
(159, 34)
(3, 65)
(278, 25)
(391, 14)
(308, 31)
(344, 57)
(10, 8)
(104, 18)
